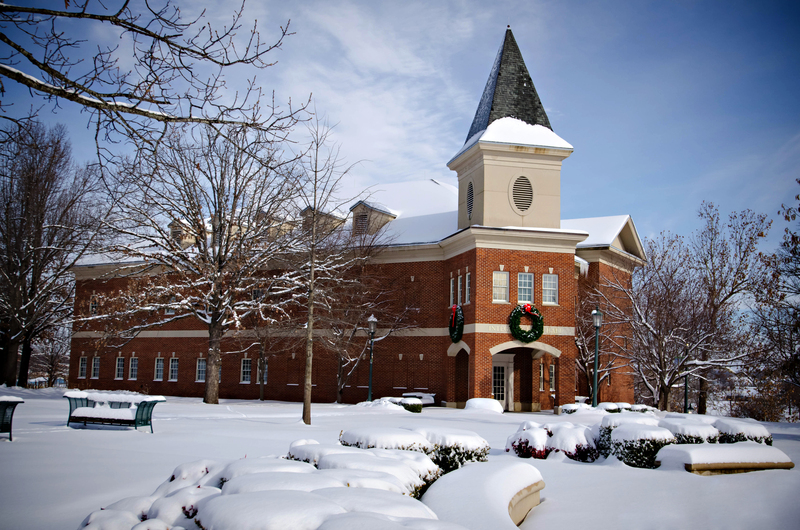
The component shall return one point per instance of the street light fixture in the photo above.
(373, 324)
(597, 319)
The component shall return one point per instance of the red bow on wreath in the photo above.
(454, 314)
(527, 308)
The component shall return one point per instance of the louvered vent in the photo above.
(470, 200)
(522, 193)
(361, 223)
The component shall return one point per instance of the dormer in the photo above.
(327, 221)
(368, 218)
(179, 232)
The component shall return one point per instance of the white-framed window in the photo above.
(552, 375)
(95, 367)
(133, 369)
(246, 371)
(170, 310)
(541, 377)
(173, 369)
(82, 368)
(550, 289)
(499, 286)
(467, 290)
(159, 373)
(257, 295)
(525, 288)
(93, 305)
(452, 291)
(120, 371)
(459, 290)
(200, 376)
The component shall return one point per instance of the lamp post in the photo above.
(597, 319)
(373, 323)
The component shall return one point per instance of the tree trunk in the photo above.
(211, 395)
(309, 356)
(25, 362)
(262, 367)
(702, 397)
(10, 368)
(663, 399)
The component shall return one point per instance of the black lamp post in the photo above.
(373, 323)
(597, 318)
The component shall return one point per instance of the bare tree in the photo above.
(202, 224)
(46, 225)
(156, 68)
(726, 259)
(50, 358)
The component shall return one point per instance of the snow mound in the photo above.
(264, 464)
(384, 405)
(444, 436)
(612, 421)
(484, 404)
(11, 399)
(178, 507)
(631, 432)
(749, 429)
(697, 418)
(608, 407)
(408, 477)
(385, 438)
(690, 429)
(311, 453)
(478, 495)
(675, 456)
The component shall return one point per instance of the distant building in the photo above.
(495, 241)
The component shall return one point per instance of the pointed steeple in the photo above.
(509, 92)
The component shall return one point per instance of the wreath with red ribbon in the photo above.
(456, 323)
(537, 323)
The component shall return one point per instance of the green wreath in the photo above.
(456, 323)
(537, 323)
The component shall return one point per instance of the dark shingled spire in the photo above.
(509, 91)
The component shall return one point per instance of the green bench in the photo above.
(7, 406)
(129, 410)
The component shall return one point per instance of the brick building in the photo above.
(495, 241)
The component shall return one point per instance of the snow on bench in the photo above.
(715, 459)
(486, 495)
(127, 409)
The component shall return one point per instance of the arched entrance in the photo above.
(514, 364)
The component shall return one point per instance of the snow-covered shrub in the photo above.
(385, 438)
(621, 405)
(608, 407)
(732, 431)
(687, 431)
(642, 408)
(452, 448)
(529, 443)
(311, 451)
(484, 404)
(572, 408)
(637, 445)
(612, 421)
(412, 404)
(575, 441)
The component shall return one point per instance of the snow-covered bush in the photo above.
(608, 407)
(452, 448)
(612, 421)
(530, 442)
(732, 431)
(385, 438)
(572, 408)
(642, 408)
(485, 404)
(637, 445)
(575, 441)
(621, 405)
(687, 431)
(412, 404)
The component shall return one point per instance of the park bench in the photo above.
(718, 459)
(128, 409)
(7, 406)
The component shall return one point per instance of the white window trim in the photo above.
(155, 369)
(552, 374)
(452, 291)
(95, 364)
(133, 375)
(241, 372)
(467, 291)
(519, 298)
(460, 292)
(83, 360)
(117, 377)
(177, 364)
(541, 377)
(544, 302)
(197, 371)
(507, 288)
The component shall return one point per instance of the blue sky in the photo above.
(667, 103)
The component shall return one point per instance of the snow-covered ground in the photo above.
(54, 476)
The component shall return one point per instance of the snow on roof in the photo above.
(602, 230)
(516, 132)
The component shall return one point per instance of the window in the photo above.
(120, 373)
(499, 382)
(93, 305)
(247, 365)
(201, 371)
(82, 368)
(257, 295)
(541, 377)
(173, 369)
(170, 310)
(499, 286)
(159, 375)
(525, 288)
(459, 290)
(133, 369)
(467, 292)
(550, 289)
(552, 375)
(452, 291)
(95, 367)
